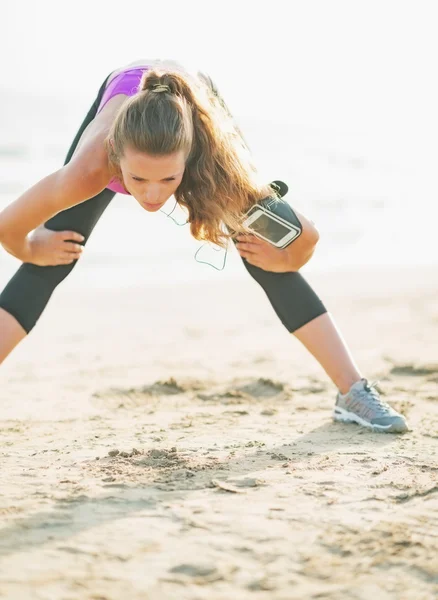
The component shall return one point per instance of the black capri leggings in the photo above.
(28, 292)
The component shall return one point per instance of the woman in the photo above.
(158, 129)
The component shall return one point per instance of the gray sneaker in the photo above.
(363, 405)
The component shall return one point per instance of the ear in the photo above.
(111, 141)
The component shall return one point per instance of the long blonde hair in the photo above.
(220, 182)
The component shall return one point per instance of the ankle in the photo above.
(345, 386)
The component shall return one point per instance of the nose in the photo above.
(152, 195)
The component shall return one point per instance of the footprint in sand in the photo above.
(143, 395)
(248, 392)
(413, 370)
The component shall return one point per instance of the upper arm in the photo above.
(88, 172)
(83, 177)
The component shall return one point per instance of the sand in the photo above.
(177, 442)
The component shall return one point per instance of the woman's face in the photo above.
(151, 180)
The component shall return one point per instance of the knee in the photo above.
(50, 276)
(291, 296)
(28, 292)
(269, 279)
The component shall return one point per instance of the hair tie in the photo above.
(160, 87)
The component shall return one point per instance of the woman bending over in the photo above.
(157, 129)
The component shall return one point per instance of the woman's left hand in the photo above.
(280, 260)
(263, 254)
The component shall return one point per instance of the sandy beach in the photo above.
(175, 442)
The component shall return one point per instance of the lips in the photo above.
(152, 206)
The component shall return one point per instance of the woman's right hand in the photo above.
(47, 248)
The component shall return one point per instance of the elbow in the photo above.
(311, 245)
(299, 261)
(304, 259)
(3, 231)
(301, 255)
(310, 238)
(314, 234)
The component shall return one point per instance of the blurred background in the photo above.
(338, 99)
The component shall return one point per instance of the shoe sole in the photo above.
(342, 415)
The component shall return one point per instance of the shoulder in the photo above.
(91, 146)
(90, 158)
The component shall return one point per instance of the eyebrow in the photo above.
(164, 178)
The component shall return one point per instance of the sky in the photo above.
(354, 65)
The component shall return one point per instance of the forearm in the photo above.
(70, 185)
(28, 212)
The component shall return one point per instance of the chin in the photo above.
(151, 208)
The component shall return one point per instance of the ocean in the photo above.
(372, 196)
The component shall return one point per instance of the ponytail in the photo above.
(173, 112)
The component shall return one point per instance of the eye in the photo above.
(166, 180)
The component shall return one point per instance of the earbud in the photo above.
(281, 187)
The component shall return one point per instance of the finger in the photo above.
(253, 239)
(62, 261)
(251, 258)
(71, 247)
(247, 247)
(263, 243)
(256, 240)
(254, 262)
(260, 243)
(72, 235)
(70, 256)
(246, 237)
(245, 253)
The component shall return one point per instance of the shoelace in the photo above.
(371, 391)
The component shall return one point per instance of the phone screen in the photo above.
(268, 228)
